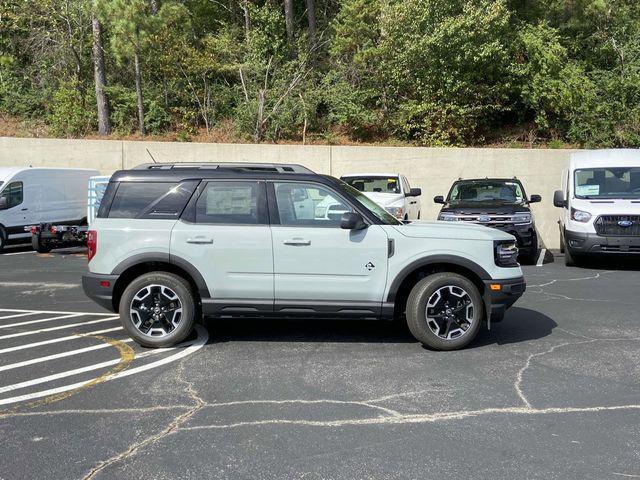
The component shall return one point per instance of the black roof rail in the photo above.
(240, 166)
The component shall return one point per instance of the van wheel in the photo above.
(444, 311)
(3, 239)
(570, 259)
(158, 309)
(38, 245)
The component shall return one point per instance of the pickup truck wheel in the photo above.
(444, 311)
(38, 245)
(158, 309)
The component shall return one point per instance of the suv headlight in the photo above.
(506, 254)
(522, 218)
(447, 217)
(580, 216)
(397, 212)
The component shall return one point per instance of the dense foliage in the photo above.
(429, 72)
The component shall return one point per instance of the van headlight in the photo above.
(506, 254)
(580, 216)
(522, 218)
(447, 217)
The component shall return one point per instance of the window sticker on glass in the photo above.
(587, 190)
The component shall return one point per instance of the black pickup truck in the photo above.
(495, 202)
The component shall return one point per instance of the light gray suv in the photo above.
(174, 242)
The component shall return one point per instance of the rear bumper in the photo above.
(96, 288)
(593, 244)
(497, 301)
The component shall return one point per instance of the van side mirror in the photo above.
(558, 199)
(352, 221)
(438, 199)
(3, 203)
(414, 192)
(535, 199)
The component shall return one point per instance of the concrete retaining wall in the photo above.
(432, 169)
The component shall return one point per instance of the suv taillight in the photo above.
(92, 244)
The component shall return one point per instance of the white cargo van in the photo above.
(600, 198)
(30, 196)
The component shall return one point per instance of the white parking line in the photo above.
(19, 315)
(202, 338)
(59, 327)
(540, 261)
(77, 371)
(57, 340)
(30, 322)
(18, 310)
(55, 356)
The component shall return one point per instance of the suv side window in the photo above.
(231, 203)
(305, 204)
(150, 200)
(14, 193)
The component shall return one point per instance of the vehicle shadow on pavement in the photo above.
(519, 325)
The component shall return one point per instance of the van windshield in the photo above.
(610, 182)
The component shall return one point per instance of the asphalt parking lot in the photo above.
(551, 392)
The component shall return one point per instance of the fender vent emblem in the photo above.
(369, 266)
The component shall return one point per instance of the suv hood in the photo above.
(486, 209)
(384, 199)
(451, 230)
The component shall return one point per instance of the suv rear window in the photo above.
(151, 200)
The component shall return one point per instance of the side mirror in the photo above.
(352, 221)
(535, 199)
(558, 199)
(414, 192)
(3, 203)
(439, 199)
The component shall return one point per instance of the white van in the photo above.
(30, 196)
(600, 198)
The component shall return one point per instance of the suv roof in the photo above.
(238, 167)
(176, 172)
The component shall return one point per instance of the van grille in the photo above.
(609, 225)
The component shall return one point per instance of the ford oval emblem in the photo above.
(625, 223)
(484, 218)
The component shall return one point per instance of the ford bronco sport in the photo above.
(174, 242)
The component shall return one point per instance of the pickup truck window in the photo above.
(374, 184)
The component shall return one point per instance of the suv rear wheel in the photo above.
(444, 311)
(158, 309)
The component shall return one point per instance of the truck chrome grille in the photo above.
(614, 225)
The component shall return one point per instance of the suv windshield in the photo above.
(374, 184)
(607, 182)
(369, 204)
(486, 191)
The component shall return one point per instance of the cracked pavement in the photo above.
(551, 392)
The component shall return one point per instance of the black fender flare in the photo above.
(179, 262)
(433, 260)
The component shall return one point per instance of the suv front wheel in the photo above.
(444, 311)
(158, 309)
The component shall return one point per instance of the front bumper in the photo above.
(99, 288)
(593, 244)
(526, 236)
(498, 300)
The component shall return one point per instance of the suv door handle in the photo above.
(297, 242)
(200, 241)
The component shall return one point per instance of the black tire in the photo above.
(417, 311)
(3, 239)
(570, 258)
(186, 301)
(561, 242)
(418, 215)
(38, 245)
